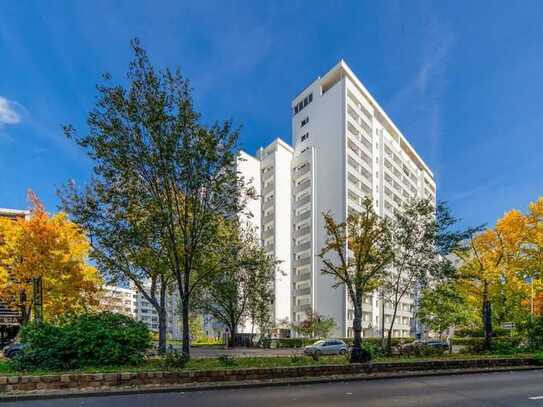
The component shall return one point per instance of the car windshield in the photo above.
(318, 343)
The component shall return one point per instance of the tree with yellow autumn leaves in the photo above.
(51, 248)
(496, 265)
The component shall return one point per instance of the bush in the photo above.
(287, 343)
(226, 360)
(538, 359)
(174, 360)
(478, 332)
(104, 339)
(500, 345)
(534, 333)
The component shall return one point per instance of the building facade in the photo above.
(346, 148)
(269, 174)
(131, 302)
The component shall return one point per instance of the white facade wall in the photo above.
(270, 174)
(132, 303)
(352, 150)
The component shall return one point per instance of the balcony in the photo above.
(302, 291)
(303, 216)
(302, 247)
(302, 232)
(302, 308)
(302, 262)
(267, 233)
(301, 202)
(269, 188)
(268, 218)
(306, 276)
(302, 172)
(268, 204)
(301, 187)
(267, 175)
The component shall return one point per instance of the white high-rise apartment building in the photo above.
(345, 148)
(269, 173)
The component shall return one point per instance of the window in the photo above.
(304, 122)
(305, 137)
(303, 103)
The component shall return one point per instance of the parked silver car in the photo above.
(327, 347)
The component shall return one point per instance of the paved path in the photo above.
(515, 389)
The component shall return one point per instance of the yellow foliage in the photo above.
(51, 247)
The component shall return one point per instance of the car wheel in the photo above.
(343, 352)
(317, 353)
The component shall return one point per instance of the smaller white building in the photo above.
(269, 174)
(132, 303)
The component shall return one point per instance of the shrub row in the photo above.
(478, 332)
(90, 340)
(287, 343)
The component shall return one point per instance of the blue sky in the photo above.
(462, 79)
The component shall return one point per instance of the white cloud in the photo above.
(9, 112)
(419, 101)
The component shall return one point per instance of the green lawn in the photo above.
(249, 362)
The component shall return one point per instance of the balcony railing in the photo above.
(268, 204)
(267, 189)
(302, 172)
(302, 262)
(267, 218)
(302, 247)
(302, 201)
(302, 291)
(302, 232)
(302, 308)
(303, 216)
(304, 185)
(268, 233)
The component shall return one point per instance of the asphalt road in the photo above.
(492, 389)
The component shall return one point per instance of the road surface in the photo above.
(492, 389)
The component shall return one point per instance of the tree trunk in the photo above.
(383, 344)
(390, 329)
(162, 321)
(487, 317)
(356, 352)
(186, 330)
(233, 332)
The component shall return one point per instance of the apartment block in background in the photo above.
(269, 173)
(346, 148)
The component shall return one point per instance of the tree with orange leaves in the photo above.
(51, 248)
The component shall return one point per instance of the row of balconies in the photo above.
(302, 186)
(302, 247)
(302, 308)
(302, 291)
(302, 262)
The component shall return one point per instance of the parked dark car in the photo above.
(12, 350)
(437, 344)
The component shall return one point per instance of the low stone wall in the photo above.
(102, 380)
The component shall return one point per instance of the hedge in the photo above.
(289, 343)
(478, 332)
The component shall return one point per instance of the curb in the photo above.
(123, 391)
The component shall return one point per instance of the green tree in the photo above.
(423, 236)
(243, 281)
(443, 307)
(314, 325)
(161, 178)
(357, 253)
